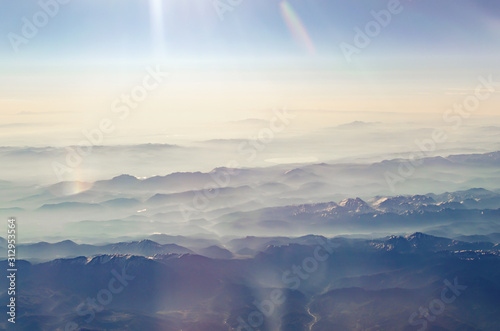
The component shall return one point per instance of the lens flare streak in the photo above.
(296, 27)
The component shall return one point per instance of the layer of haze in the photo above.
(65, 79)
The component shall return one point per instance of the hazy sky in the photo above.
(262, 55)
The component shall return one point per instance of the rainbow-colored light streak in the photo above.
(296, 27)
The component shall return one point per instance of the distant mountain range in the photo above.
(290, 247)
(342, 283)
(334, 198)
(399, 213)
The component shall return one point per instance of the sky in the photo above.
(229, 63)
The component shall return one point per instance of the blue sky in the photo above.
(91, 30)
(264, 54)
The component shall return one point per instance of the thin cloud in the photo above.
(42, 112)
